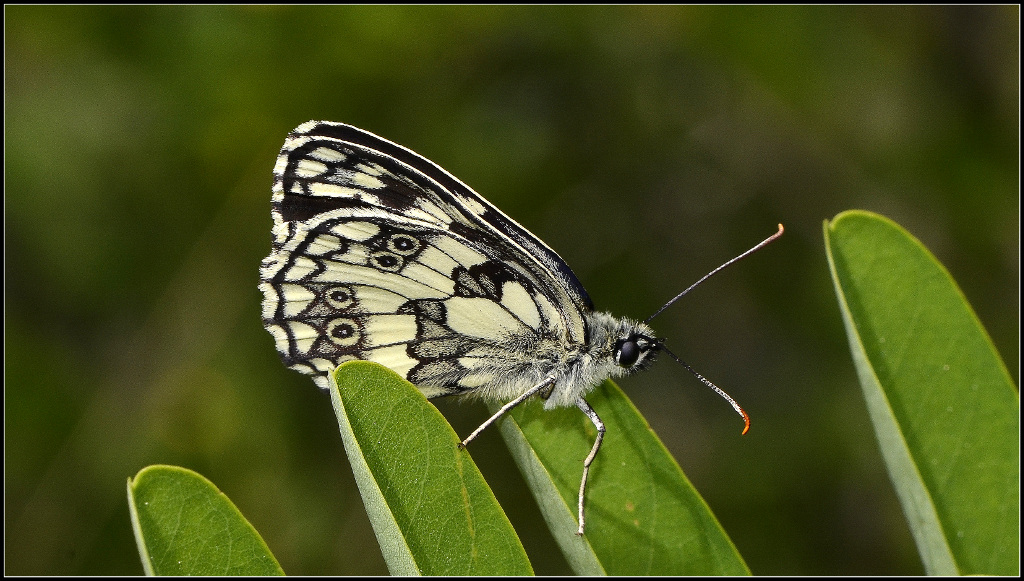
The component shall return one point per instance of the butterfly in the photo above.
(379, 254)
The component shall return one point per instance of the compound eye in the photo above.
(627, 352)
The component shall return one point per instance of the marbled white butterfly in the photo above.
(380, 254)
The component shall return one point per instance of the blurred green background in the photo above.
(645, 144)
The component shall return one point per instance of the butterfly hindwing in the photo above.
(376, 270)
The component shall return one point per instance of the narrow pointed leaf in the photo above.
(430, 508)
(643, 517)
(185, 526)
(943, 406)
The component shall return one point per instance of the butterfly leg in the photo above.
(589, 411)
(540, 386)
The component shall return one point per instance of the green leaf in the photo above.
(944, 408)
(643, 517)
(185, 526)
(430, 508)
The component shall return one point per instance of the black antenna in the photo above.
(704, 380)
(763, 243)
(720, 391)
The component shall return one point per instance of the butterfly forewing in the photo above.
(430, 188)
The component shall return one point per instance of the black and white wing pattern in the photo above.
(379, 254)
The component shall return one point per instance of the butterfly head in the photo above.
(622, 344)
(634, 349)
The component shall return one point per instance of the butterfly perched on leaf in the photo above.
(379, 254)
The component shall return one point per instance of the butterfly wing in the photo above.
(380, 254)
